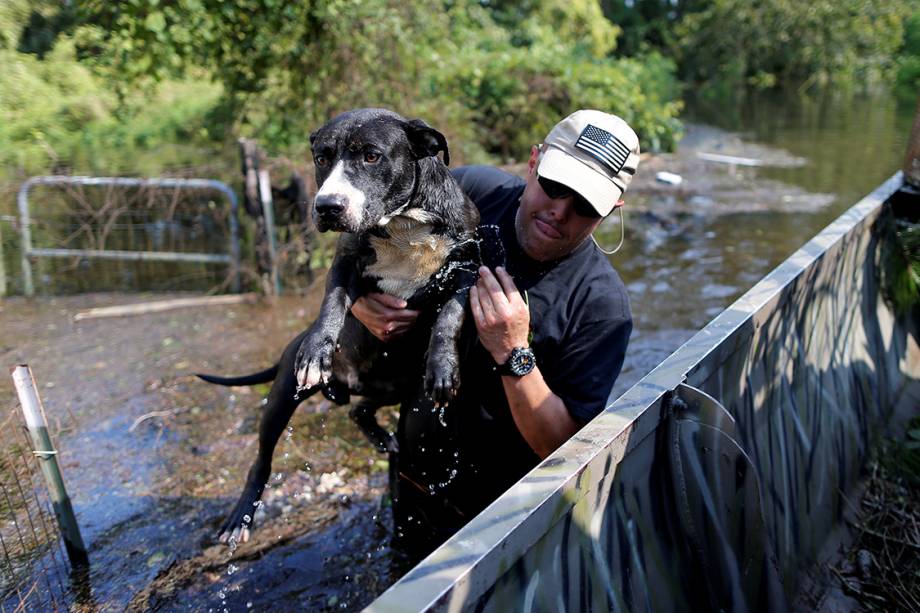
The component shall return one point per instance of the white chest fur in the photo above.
(410, 255)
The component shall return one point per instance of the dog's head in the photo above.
(366, 166)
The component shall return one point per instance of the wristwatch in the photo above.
(521, 361)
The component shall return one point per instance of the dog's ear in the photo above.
(425, 140)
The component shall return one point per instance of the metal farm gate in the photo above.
(230, 257)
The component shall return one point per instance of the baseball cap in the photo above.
(593, 153)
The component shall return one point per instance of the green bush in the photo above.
(491, 85)
(775, 41)
(56, 115)
(907, 79)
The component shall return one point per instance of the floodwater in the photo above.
(154, 458)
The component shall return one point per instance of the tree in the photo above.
(782, 41)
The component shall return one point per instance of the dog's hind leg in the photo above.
(280, 404)
(364, 414)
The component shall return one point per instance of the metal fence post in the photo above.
(22, 199)
(2, 265)
(47, 455)
(912, 160)
(268, 209)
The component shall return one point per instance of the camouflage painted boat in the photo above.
(716, 479)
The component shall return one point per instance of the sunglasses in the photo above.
(558, 191)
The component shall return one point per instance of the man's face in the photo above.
(549, 229)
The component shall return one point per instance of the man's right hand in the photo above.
(384, 315)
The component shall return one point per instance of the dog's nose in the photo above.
(330, 204)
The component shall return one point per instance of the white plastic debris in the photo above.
(669, 177)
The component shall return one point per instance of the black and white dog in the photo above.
(407, 230)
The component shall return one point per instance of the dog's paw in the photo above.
(313, 364)
(442, 378)
(236, 528)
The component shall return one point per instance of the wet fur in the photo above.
(425, 253)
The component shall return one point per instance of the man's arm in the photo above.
(503, 322)
(539, 414)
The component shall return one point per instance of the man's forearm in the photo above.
(539, 414)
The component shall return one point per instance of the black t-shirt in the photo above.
(471, 451)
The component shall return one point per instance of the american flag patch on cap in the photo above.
(604, 147)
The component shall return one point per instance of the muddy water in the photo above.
(154, 458)
(691, 250)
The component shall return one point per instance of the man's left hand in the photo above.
(501, 315)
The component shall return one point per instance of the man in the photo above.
(551, 319)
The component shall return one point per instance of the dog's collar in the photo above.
(386, 218)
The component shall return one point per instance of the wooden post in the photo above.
(249, 153)
(268, 210)
(912, 160)
(38, 432)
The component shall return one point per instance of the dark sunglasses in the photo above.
(558, 191)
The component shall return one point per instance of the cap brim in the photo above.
(595, 187)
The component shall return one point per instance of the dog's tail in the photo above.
(263, 376)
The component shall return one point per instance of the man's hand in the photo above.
(384, 315)
(501, 315)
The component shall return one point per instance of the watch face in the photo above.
(521, 361)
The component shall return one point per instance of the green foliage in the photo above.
(912, 35)
(907, 80)
(901, 458)
(766, 44)
(56, 113)
(285, 66)
(900, 263)
(647, 23)
(782, 41)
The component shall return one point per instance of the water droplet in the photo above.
(232, 569)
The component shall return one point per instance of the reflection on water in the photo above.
(680, 275)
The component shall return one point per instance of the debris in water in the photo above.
(669, 177)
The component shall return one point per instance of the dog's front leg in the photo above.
(442, 371)
(314, 358)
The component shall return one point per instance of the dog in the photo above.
(407, 229)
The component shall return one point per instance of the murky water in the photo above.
(154, 458)
(692, 250)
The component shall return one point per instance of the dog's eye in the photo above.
(321, 160)
(370, 157)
